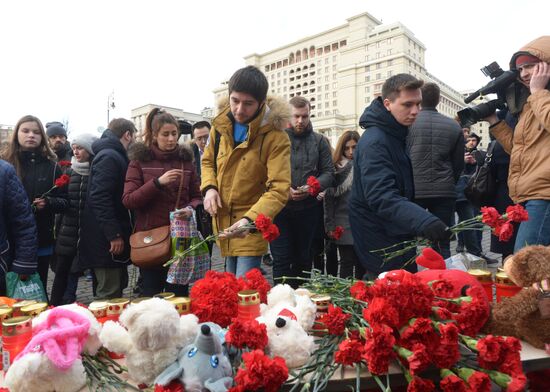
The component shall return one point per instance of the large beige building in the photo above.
(342, 70)
(139, 115)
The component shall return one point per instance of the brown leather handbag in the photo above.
(152, 248)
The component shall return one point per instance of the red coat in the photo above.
(151, 204)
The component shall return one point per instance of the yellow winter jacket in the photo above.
(252, 178)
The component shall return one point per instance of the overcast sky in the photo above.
(60, 60)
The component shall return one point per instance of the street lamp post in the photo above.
(110, 105)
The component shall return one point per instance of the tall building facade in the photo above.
(139, 116)
(342, 70)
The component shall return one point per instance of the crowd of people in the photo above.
(404, 177)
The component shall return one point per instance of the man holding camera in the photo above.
(529, 143)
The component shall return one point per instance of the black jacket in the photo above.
(436, 147)
(18, 236)
(38, 177)
(104, 217)
(310, 155)
(196, 158)
(69, 232)
(65, 153)
(381, 210)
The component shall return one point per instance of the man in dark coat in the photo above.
(381, 210)
(298, 222)
(106, 227)
(57, 138)
(18, 235)
(436, 147)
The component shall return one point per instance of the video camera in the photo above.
(499, 85)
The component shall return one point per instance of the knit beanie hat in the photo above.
(85, 141)
(55, 128)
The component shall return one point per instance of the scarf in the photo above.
(82, 168)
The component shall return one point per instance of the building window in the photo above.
(319, 96)
(389, 52)
(334, 58)
(326, 78)
(334, 67)
(326, 95)
(326, 87)
(367, 89)
(326, 60)
(367, 78)
(334, 103)
(390, 63)
(367, 99)
(267, 68)
(378, 76)
(379, 65)
(343, 43)
(326, 69)
(389, 41)
(334, 94)
(390, 73)
(334, 85)
(333, 76)
(367, 68)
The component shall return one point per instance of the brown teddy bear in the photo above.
(519, 315)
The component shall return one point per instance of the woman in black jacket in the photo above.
(66, 269)
(35, 163)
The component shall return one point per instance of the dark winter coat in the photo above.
(150, 203)
(310, 155)
(436, 147)
(65, 153)
(38, 177)
(467, 173)
(69, 232)
(381, 211)
(18, 235)
(105, 218)
(336, 204)
(196, 158)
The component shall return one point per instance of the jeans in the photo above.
(443, 208)
(470, 238)
(535, 231)
(292, 251)
(153, 281)
(240, 265)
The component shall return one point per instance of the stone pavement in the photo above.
(84, 293)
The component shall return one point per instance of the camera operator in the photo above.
(529, 144)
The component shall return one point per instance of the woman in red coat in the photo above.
(158, 167)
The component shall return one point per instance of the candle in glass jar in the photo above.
(321, 302)
(16, 334)
(182, 304)
(249, 305)
(5, 313)
(18, 305)
(115, 307)
(165, 295)
(34, 309)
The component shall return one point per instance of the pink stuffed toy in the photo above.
(51, 361)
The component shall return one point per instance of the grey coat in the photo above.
(436, 148)
(336, 204)
(310, 155)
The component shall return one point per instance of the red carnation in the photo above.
(490, 216)
(349, 352)
(380, 311)
(337, 233)
(64, 163)
(419, 359)
(174, 386)
(62, 181)
(335, 320)
(255, 280)
(504, 231)
(261, 372)
(431, 259)
(442, 313)
(214, 298)
(360, 291)
(477, 381)
(517, 213)
(450, 382)
(442, 288)
(271, 233)
(418, 384)
(262, 222)
(314, 186)
(247, 333)
(378, 350)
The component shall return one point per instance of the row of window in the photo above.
(305, 54)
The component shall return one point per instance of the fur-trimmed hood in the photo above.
(277, 112)
(142, 153)
(539, 48)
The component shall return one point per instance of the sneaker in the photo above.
(267, 260)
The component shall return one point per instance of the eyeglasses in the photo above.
(202, 138)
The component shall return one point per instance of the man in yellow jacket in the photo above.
(529, 143)
(246, 167)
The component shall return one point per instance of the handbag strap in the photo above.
(489, 154)
(180, 187)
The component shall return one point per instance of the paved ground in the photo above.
(84, 294)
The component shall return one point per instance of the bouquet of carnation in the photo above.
(263, 224)
(501, 226)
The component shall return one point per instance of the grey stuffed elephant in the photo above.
(201, 366)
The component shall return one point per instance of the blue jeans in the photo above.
(240, 265)
(535, 231)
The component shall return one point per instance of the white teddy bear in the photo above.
(150, 334)
(53, 363)
(288, 317)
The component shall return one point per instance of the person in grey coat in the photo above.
(436, 147)
(336, 206)
(310, 155)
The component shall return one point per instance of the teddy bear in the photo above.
(519, 315)
(51, 361)
(150, 334)
(202, 365)
(288, 317)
